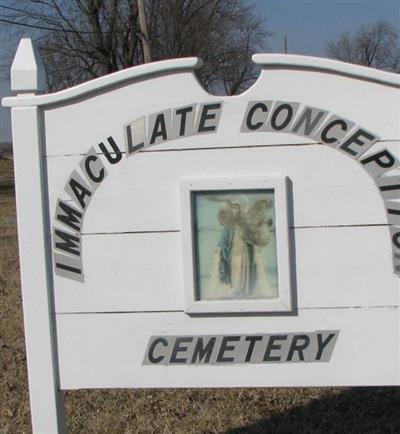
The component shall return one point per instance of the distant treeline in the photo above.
(5, 146)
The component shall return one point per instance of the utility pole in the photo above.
(143, 32)
(285, 45)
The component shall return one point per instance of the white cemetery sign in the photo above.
(172, 238)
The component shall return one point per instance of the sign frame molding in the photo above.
(284, 302)
(28, 78)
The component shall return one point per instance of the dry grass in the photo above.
(234, 411)
(6, 172)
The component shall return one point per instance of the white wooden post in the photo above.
(28, 77)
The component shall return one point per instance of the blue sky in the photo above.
(308, 24)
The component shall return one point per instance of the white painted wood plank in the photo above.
(371, 105)
(105, 114)
(142, 193)
(97, 351)
(35, 264)
(345, 267)
(335, 267)
(125, 272)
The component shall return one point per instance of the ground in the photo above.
(226, 411)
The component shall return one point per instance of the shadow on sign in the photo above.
(361, 410)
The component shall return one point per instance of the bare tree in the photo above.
(224, 33)
(83, 39)
(375, 45)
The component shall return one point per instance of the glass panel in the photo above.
(234, 244)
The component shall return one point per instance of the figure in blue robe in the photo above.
(225, 264)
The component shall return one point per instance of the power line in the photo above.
(15, 9)
(53, 29)
(33, 26)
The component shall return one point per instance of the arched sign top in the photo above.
(151, 70)
(106, 82)
(289, 61)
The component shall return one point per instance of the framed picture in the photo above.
(236, 245)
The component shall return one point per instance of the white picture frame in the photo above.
(283, 301)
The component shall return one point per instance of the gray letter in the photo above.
(393, 212)
(282, 116)
(379, 163)
(115, 157)
(395, 234)
(225, 347)
(182, 122)
(152, 347)
(295, 346)
(252, 341)
(68, 242)
(389, 186)
(135, 136)
(159, 124)
(255, 116)
(179, 348)
(68, 266)
(308, 121)
(68, 215)
(93, 168)
(78, 190)
(202, 351)
(362, 138)
(206, 114)
(323, 343)
(272, 346)
(333, 131)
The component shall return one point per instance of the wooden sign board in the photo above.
(172, 238)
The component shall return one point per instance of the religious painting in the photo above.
(234, 242)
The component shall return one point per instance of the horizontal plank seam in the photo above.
(291, 227)
(119, 312)
(266, 313)
(209, 148)
(145, 151)
(342, 226)
(395, 306)
(271, 145)
(132, 232)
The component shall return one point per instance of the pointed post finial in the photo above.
(28, 74)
